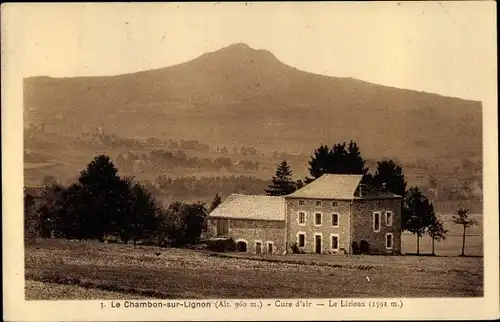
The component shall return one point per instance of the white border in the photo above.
(255, 246)
(16, 308)
(242, 240)
(391, 216)
(322, 243)
(331, 243)
(298, 240)
(269, 242)
(392, 241)
(338, 220)
(298, 217)
(321, 218)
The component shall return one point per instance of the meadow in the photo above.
(59, 269)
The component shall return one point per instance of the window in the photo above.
(388, 241)
(302, 240)
(335, 204)
(388, 218)
(301, 202)
(335, 220)
(258, 246)
(376, 221)
(317, 219)
(318, 203)
(335, 243)
(222, 227)
(302, 218)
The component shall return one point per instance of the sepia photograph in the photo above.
(215, 155)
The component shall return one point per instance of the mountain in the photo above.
(242, 96)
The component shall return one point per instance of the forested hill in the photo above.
(242, 96)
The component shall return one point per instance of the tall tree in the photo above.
(340, 159)
(141, 220)
(355, 163)
(215, 202)
(390, 174)
(282, 183)
(419, 214)
(461, 217)
(105, 194)
(71, 216)
(184, 223)
(437, 232)
(320, 162)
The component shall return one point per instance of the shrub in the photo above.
(296, 249)
(364, 247)
(355, 248)
(221, 245)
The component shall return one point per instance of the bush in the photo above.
(364, 247)
(296, 249)
(355, 248)
(221, 245)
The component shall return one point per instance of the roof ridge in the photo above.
(331, 185)
(254, 195)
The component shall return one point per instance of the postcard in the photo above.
(250, 161)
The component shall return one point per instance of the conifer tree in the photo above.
(215, 202)
(340, 159)
(282, 183)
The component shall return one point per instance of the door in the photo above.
(318, 244)
(241, 246)
(258, 247)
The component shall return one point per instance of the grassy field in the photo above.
(89, 270)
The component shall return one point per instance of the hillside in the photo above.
(241, 96)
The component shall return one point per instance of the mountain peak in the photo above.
(239, 45)
(238, 55)
(242, 48)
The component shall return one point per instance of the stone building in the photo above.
(328, 216)
(256, 223)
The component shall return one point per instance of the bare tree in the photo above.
(461, 218)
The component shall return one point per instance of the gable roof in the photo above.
(330, 186)
(340, 186)
(254, 207)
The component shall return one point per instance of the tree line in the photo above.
(418, 216)
(101, 204)
(201, 187)
(160, 159)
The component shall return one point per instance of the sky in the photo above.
(440, 47)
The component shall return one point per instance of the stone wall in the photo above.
(325, 230)
(362, 228)
(251, 231)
